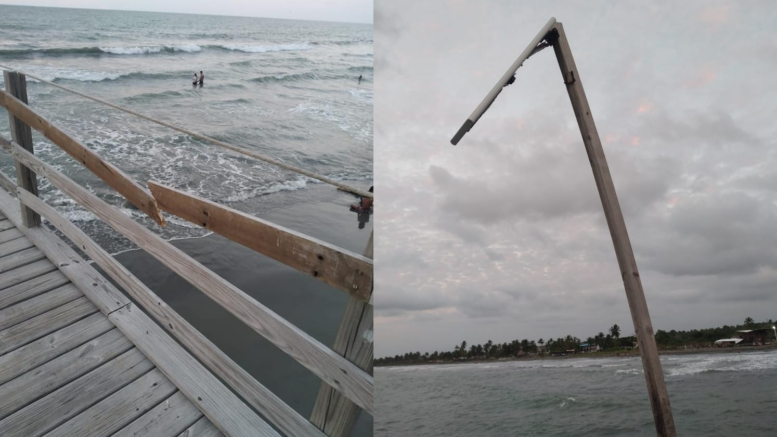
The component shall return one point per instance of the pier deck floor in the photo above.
(66, 370)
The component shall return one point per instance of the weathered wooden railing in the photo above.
(347, 385)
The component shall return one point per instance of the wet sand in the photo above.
(314, 307)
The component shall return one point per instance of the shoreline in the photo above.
(601, 355)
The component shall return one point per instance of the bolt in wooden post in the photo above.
(16, 85)
(659, 398)
(333, 413)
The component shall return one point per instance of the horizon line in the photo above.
(184, 13)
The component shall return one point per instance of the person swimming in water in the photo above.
(360, 79)
(202, 77)
(194, 81)
(364, 204)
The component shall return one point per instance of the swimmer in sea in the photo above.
(364, 205)
(202, 77)
(194, 81)
(360, 79)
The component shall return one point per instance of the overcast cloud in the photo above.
(503, 237)
(348, 11)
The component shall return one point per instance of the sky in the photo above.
(348, 11)
(503, 236)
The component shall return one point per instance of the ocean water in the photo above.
(285, 88)
(711, 395)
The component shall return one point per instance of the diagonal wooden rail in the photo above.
(330, 264)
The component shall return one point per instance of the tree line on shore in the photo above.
(601, 341)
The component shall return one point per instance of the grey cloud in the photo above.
(508, 226)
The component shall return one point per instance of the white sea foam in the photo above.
(266, 48)
(144, 50)
(132, 50)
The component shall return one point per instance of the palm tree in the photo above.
(615, 330)
(749, 322)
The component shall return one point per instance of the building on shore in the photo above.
(589, 347)
(754, 337)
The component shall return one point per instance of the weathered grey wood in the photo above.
(44, 379)
(659, 398)
(333, 413)
(50, 411)
(202, 428)
(118, 409)
(51, 346)
(8, 184)
(18, 259)
(319, 359)
(10, 235)
(5, 224)
(220, 405)
(38, 305)
(98, 289)
(31, 288)
(14, 246)
(106, 171)
(16, 89)
(277, 412)
(326, 262)
(46, 323)
(24, 273)
(168, 419)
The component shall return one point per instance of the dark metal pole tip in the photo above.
(464, 129)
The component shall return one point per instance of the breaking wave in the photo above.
(263, 48)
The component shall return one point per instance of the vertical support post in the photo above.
(333, 413)
(654, 375)
(16, 85)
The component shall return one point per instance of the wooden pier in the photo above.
(80, 356)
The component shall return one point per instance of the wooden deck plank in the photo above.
(46, 323)
(6, 224)
(31, 288)
(14, 246)
(277, 412)
(51, 346)
(10, 235)
(202, 428)
(214, 399)
(118, 409)
(24, 273)
(168, 419)
(68, 401)
(18, 259)
(38, 305)
(26, 388)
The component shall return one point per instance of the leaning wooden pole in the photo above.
(659, 398)
(16, 85)
(333, 413)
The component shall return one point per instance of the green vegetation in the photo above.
(609, 343)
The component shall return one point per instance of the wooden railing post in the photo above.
(333, 413)
(16, 85)
(654, 375)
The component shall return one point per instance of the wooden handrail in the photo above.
(258, 396)
(335, 266)
(106, 171)
(332, 368)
